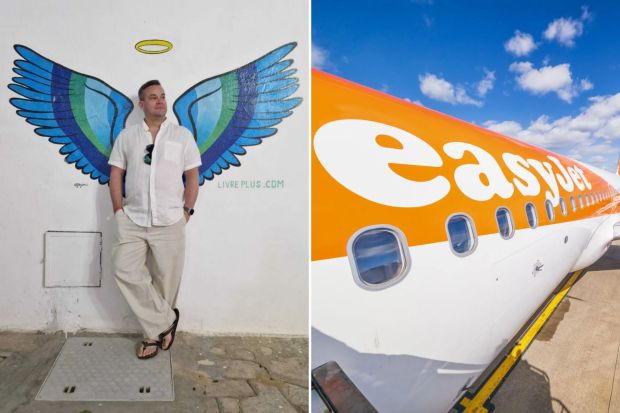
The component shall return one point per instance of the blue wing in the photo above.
(77, 111)
(239, 108)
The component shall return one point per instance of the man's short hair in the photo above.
(144, 86)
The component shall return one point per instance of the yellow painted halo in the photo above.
(165, 44)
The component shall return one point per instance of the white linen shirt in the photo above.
(154, 193)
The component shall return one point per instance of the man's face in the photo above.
(154, 103)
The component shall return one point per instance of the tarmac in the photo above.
(213, 374)
(572, 365)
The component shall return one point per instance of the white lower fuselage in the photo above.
(418, 345)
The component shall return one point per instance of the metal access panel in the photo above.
(72, 259)
(107, 369)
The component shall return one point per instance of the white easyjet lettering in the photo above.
(583, 177)
(519, 167)
(546, 172)
(564, 180)
(468, 176)
(349, 152)
(576, 178)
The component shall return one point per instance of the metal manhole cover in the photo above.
(107, 369)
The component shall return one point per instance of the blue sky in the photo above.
(546, 72)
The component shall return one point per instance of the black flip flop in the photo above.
(146, 344)
(172, 330)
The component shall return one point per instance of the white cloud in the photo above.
(507, 127)
(547, 79)
(521, 44)
(320, 57)
(566, 30)
(587, 136)
(586, 84)
(486, 83)
(442, 90)
(585, 14)
(417, 102)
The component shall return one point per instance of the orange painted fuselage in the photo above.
(380, 163)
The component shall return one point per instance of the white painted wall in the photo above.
(247, 249)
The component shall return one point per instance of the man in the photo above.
(148, 255)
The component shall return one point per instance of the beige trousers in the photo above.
(147, 263)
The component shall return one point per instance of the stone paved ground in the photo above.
(211, 374)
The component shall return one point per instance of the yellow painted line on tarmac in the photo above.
(476, 403)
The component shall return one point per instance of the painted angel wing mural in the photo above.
(79, 112)
(239, 108)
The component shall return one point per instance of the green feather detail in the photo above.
(230, 92)
(77, 86)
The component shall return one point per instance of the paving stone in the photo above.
(269, 399)
(229, 388)
(290, 370)
(211, 406)
(32, 356)
(206, 362)
(296, 395)
(228, 405)
(243, 354)
(218, 351)
(241, 369)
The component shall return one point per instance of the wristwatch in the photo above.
(190, 211)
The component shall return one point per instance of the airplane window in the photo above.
(380, 256)
(532, 216)
(587, 200)
(563, 206)
(462, 234)
(504, 222)
(572, 203)
(580, 202)
(549, 209)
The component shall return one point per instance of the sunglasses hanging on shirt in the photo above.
(149, 152)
